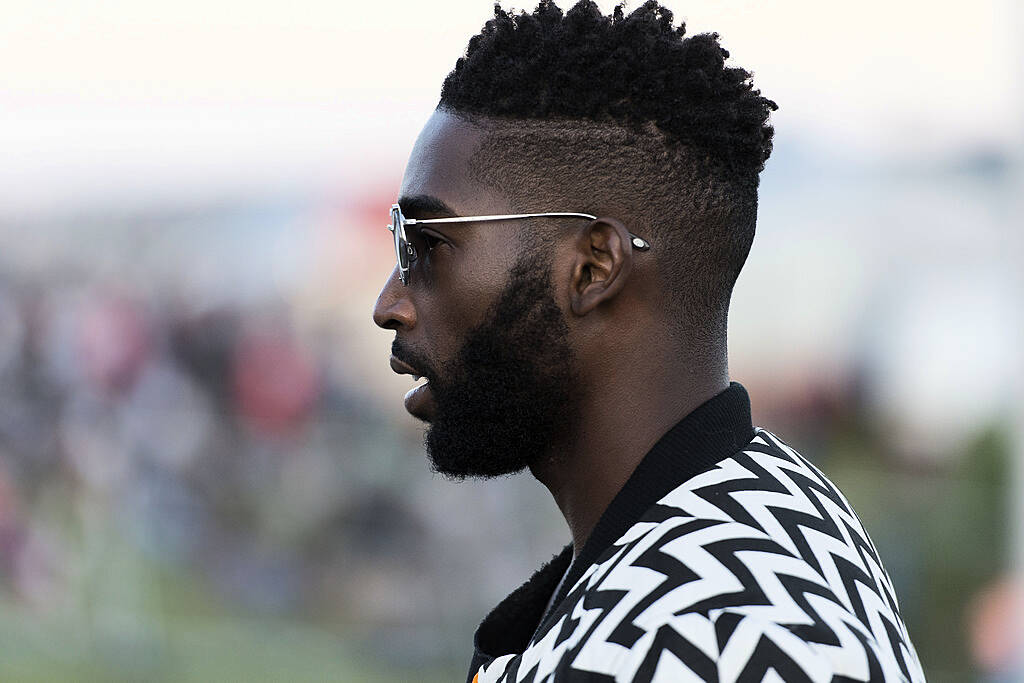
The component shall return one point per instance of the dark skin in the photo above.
(636, 380)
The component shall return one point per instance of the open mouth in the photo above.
(419, 400)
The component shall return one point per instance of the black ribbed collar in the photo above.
(718, 428)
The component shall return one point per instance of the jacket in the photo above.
(725, 557)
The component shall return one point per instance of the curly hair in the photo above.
(624, 113)
(630, 69)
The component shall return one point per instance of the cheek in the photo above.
(467, 284)
(458, 294)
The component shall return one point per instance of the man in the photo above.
(570, 226)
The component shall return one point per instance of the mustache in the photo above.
(409, 356)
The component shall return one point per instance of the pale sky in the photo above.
(99, 100)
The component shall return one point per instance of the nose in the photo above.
(394, 309)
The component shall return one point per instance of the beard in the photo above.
(507, 394)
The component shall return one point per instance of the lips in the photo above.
(419, 401)
(403, 368)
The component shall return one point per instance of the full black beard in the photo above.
(507, 395)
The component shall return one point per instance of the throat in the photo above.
(595, 464)
(584, 485)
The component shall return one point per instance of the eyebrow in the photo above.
(425, 206)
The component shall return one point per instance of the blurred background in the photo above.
(206, 472)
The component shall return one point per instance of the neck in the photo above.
(618, 423)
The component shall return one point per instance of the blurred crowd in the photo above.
(215, 440)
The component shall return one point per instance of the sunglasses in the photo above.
(405, 252)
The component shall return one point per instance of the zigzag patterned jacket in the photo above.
(726, 557)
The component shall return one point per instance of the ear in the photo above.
(603, 260)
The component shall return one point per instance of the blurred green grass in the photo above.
(225, 649)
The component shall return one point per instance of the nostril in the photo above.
(384, 318)
(394, 310)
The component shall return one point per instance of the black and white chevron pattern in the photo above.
(755, 570)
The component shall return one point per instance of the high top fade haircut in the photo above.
(626, 116)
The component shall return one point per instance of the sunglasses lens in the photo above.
(401, 248)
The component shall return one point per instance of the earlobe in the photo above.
(604, 259)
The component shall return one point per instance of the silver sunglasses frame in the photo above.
(397, 218)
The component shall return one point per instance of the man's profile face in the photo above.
(478, 319)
